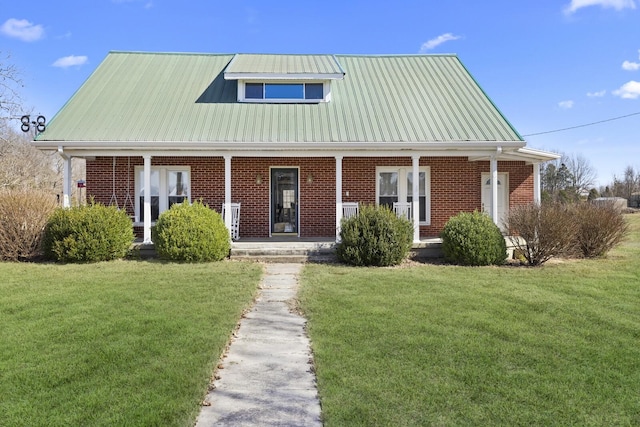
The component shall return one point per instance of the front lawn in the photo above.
(447, 346)
(118, 343)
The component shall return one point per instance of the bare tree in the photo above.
(568, 178)
(10, 85)
(583, 175)
(629, 184)
(22, 165)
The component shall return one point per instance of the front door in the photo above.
(503, 196)
(284, 200)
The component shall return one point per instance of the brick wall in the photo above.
(455, 186)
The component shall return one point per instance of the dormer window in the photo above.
(284, 78)
(284, 91)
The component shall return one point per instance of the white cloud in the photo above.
(631, 66)
(615, 4)
(629, 90)
(565, 105)
(22, 29)
(70, 61)
(433, 43)
(598, 94)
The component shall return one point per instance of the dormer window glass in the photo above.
(284, 91)
(254, 91)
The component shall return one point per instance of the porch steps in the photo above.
(283, 252)
(296, 251)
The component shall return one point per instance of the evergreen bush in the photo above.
(473, 239)
(191, 233)
(374, 237)
(88, 233)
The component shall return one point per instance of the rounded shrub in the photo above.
(374, 237)
(473, 239)
(88, 233)
(191, 233)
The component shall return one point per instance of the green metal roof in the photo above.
(162, 97)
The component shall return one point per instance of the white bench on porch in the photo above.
(349, 209)
(235, 220)
(402, 209)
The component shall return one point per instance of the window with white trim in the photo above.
(283, 91)
(395, 184)
(169, 185)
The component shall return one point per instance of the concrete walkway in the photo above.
(266, 378)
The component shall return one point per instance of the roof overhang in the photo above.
(474, 150)
(283, 67)
(529, 155)
(282, 76)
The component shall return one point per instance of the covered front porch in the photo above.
(325, 184)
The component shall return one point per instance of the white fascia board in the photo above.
(282, 153)
(283, 76)
(476, 152)
(522, 154)
(268, 146)
(540, 155)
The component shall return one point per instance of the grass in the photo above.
(502, 346)
(118, 343)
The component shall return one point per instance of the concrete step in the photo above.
(280, 252)
(295, 251)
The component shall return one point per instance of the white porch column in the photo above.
(227, 192)
(537, 197)
(415, 198)
(66, 178)
(338, 196)
(147, 200)
(494, 189)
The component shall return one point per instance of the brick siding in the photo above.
(455, 186)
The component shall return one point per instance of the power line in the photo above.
(584, 125)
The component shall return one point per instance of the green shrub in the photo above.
(88, 233)
(23, 216)
(374, 237)
(473, 239)
(192, 233)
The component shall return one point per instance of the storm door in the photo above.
(284, 200)
(503, 196)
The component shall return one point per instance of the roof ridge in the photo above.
(137, 52)
(362, 55)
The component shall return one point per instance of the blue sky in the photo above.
(546, 64)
